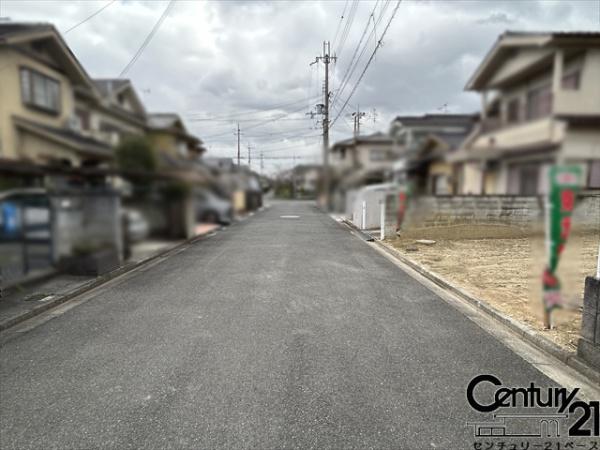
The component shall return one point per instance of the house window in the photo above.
(513, 111)
(377, 155)
(40, 91)
(539, 102)
(594, 175)
(571, 81)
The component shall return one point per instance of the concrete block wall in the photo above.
(524, 212)
(589, 345)
(81, 216)
(587, 211)
(454, 210)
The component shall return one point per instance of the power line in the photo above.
(346, 122)
(344, 77)
(309, 145)
(280, 117)
(352, 68)
(347, 27)
(264, 122)
(369, 61)
(91, 16)
(276, 148)
(340, 23)
(148, 39)
(288, 157)
(252, 111)
(279, 133)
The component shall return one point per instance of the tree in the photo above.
(135, 153)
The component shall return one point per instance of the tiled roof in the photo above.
(562, 34)
(463, 120)
(370, 138)
(163, 120)
(10, 28)
(79, 141)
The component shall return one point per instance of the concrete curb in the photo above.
(527, 333)
(363, 234)
(102, 279)
(33, 278)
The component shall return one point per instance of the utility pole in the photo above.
(238, 142)
(262, 162)
(249, 153)
(326, 58)
(357, 116)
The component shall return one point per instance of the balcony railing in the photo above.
(490, 124)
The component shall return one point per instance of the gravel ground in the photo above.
(506, 273)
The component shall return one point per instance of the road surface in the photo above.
(278, 332)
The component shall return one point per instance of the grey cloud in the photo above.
(220, 58)
(497, 18)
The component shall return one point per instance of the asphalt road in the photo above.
(274, 333)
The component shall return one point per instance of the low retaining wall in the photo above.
(493, 215)
(589, 344)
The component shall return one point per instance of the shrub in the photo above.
(135, 153)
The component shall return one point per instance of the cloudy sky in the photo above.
(220, 63)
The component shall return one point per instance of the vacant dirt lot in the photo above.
(506, 273)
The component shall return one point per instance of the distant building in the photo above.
(363, 159)
(219, 163)
(174, 145)
(540, 106)
(305, 179)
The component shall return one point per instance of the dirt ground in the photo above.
(506, 273)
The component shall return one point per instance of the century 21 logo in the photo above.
(588, 424)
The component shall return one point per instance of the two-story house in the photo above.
(540, 106)
(115, 114)
(424, 144)
(40, 80)
(357, 162)
(365, 159)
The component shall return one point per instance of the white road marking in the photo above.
(289, 217)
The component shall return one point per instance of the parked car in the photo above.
(212, 209)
